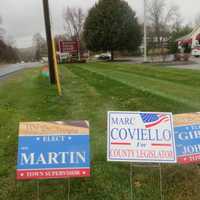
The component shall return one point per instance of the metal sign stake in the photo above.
(38, 190)
(131, 180)
(68, 189)
(161, 188)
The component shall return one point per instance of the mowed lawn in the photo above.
(89, 91)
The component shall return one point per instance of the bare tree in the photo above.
(163, 19)
(40, 44)
(74, 21)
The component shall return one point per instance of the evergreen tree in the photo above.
(112, 25)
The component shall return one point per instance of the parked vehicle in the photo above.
(196, 51)
(103, 56)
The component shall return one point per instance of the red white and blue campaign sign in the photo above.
(141, 137)
(187, 135)
(53, 150)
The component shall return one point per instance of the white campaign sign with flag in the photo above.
(141, 137)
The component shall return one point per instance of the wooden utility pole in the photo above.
(49, 41)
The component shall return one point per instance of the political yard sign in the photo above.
(53, 150)
(140, 137)
(187, 136)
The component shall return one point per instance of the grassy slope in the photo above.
(155, 81)
(89, 91)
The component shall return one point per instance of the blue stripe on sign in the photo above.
(37, 153)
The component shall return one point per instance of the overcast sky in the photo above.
(23, 18)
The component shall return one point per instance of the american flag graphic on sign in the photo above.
(152, 119)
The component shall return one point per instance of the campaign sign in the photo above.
(141, 137)
(187, 136)
(53, 150)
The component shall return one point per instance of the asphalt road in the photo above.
(194, 63)
(195, 66)
(8, 69)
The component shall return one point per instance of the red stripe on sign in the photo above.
(158, 122)
(121, 143)
(162, 145)
(189, 159)
(51, 173)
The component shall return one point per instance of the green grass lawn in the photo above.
(89, 91)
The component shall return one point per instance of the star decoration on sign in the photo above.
(69, 138)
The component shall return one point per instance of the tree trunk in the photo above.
(112, 55)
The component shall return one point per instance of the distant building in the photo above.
(191, 40)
